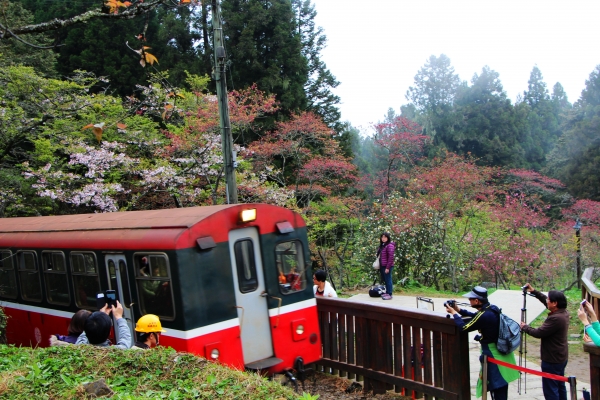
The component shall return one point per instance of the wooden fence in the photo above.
(414, 352)
(590, 292)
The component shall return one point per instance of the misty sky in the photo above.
(376, 47)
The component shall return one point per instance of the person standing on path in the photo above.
(554, 348)
(487, 321)
(385, 252)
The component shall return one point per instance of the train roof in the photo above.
(152, 229)
(148, 219)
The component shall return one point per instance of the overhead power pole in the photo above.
(219, 77)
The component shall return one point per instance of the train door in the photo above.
(116, 268)
(250, 295)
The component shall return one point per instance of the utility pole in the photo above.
(577, 228)
(219, 77)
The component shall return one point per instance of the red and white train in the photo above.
(230, 283)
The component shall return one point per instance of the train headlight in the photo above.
(214, 354)
(248, 215)
(298, 329)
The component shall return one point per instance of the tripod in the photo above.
(523, 345)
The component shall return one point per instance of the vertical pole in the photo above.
(578, 238)
(573, 387)
(484, 378)
(220, 78)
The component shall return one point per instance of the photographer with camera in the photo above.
(97, 328)
(487, 321)
(554, 348)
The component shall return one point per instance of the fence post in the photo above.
(573, 384)
(484, 378)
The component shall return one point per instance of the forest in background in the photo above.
(119, 114)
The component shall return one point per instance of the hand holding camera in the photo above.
(108, 297)
(451, 306)
(527, 288)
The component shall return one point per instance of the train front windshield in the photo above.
(289, 258)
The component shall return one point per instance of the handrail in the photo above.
(416, 351)
(589, 291)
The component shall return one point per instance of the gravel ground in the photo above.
(330, 387)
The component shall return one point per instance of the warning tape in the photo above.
(528, 371)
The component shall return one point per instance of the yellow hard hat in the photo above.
(149, 323)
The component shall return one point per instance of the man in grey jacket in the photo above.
(97, 328)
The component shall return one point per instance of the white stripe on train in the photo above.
(204, 330)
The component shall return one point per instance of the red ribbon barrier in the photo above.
(528, 371)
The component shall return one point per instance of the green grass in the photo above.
(60, 373)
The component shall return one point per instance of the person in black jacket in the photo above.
(487, 321)
(555, 347)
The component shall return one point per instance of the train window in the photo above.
(246, 267)
(8, 280)
(55, 278)
(125, 283)
(154, 285)
(29, 277)
(289, 258)
(85, 279)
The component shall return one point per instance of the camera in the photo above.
(524, 288)
(450, 303)
(108, 297)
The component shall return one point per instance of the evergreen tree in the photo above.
(321, 81)
(264, 48)
(100, 45)
(577, 154)
(13, 51)
(489, 127)
(436, 85)
(542, 120)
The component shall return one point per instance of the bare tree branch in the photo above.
(129, 13)
(12, 34)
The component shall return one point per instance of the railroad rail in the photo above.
(409, 350)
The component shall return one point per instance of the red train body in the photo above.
(230, 283)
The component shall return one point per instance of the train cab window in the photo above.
(29, 277)
(85, 279)
(289, 258)
(55, 277)
(8, 280)
(246, 267)
(154, 285)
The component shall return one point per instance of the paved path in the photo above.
(511, 302)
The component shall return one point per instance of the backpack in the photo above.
(376, 291)
(509, 334)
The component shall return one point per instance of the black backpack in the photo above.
(509, 334)
(376, 290)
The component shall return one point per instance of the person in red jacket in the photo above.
(385, 252)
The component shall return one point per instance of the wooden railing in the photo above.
(408, 350)
(590, 292)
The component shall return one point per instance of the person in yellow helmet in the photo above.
(148, 330)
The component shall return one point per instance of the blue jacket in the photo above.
(485, 321)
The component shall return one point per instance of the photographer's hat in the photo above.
(477, 292)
